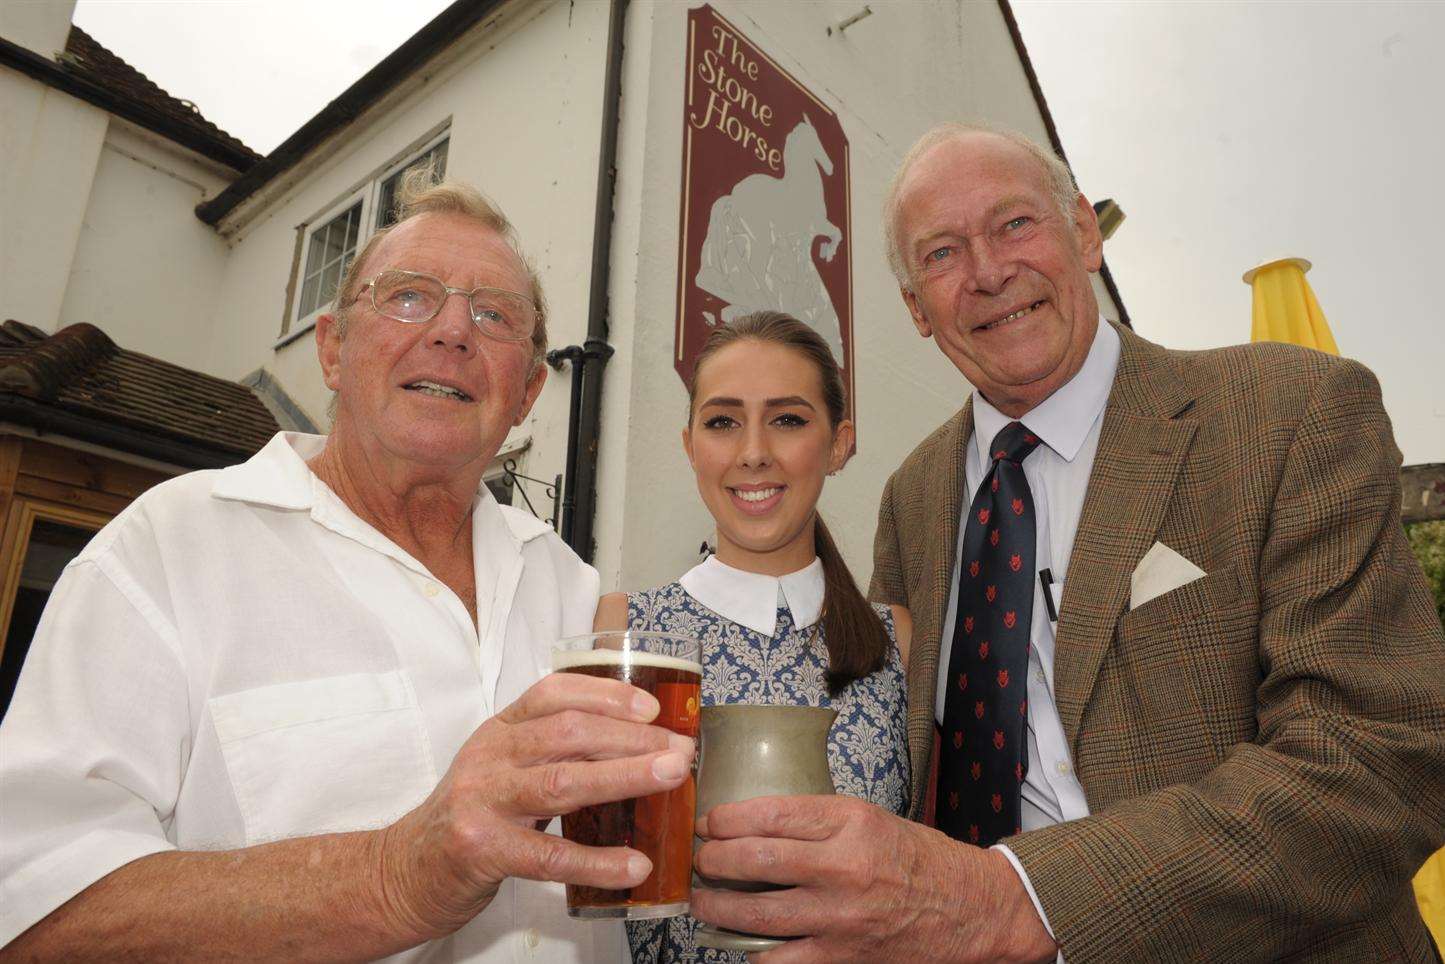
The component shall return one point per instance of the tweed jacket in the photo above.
(1263, 749)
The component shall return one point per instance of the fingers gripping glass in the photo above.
(415, 298)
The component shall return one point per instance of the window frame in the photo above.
(305, 323)
(295, 325)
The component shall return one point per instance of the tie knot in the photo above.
(1013, 443)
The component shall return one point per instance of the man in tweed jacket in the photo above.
(1261, 750)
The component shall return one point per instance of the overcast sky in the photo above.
(1230, 132)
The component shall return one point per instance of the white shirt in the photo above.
(752, 599)
(1068, 422)
(238, 658)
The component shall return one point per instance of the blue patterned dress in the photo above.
(867, 746)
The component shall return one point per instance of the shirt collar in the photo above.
(1064, 418)
(752, 599)
(278, 476)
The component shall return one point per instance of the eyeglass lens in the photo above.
(413, 298)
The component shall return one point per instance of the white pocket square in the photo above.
(1161, 570)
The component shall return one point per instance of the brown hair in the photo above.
(856, 640)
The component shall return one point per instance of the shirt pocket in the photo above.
(325, 755)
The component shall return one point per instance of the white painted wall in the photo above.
(39, 25)
(523, 97)
(522, 94)
(959, 64)
(50, 145)
(146, 270)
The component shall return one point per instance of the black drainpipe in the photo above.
(584, 427)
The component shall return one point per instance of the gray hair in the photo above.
(1059, 179)
(419, 193)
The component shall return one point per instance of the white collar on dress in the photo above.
(752, 599)
(1064, 418)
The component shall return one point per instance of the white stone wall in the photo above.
(889, 77)
(521, 97)
(146, 270)
(50, 145)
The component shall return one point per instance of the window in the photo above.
(436, 158)
(332, 247)
(327, 243)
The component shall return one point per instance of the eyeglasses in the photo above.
(415, 298)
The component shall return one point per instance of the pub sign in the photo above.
(765, 221)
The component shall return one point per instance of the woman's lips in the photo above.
(756, 500)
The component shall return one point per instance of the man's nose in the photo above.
(990, 270)
(453, 328)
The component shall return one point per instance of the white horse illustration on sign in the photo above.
(758, 253)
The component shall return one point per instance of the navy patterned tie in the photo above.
(982, 757)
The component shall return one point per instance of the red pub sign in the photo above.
(765, 202)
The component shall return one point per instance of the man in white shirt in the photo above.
(292, 709)
(1229, 743)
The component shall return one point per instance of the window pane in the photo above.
(313, 252)
(309, 295)
(330, 248)
(329, 278)
(386, 199)
(335, 240)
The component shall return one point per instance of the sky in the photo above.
(1231, 133)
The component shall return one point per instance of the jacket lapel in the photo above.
(941, 509)
(1142, 445)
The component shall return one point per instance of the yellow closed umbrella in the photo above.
(1285, 308)
(1430, 895)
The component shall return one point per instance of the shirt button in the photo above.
(1062, 767)
(431, 589)
(1039, 675)
(532, 938)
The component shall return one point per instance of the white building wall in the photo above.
(889, 77)
(522, 95)
(38, 25)
(523, 98)
(146, 270)
(50, 145)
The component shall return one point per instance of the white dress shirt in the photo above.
(238, 658)
(752, 599)
(1068, 422)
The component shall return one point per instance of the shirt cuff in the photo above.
(1029, 889)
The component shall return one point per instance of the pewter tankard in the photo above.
(758, 751)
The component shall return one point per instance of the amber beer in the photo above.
(660, 825)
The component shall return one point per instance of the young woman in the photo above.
(780, 617)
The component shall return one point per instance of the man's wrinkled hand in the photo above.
(568, 742)
(862, 885)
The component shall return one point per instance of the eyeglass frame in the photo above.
(448, 292)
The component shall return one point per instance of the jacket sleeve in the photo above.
(1318, 823)
(887, 582)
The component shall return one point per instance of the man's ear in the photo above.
(919, 320)
(535, 381)
(1086, 231)
(328, 350)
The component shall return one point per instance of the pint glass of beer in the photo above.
(660, 826)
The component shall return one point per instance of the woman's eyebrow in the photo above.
(789, 400)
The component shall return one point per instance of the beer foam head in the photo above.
(568, 659)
